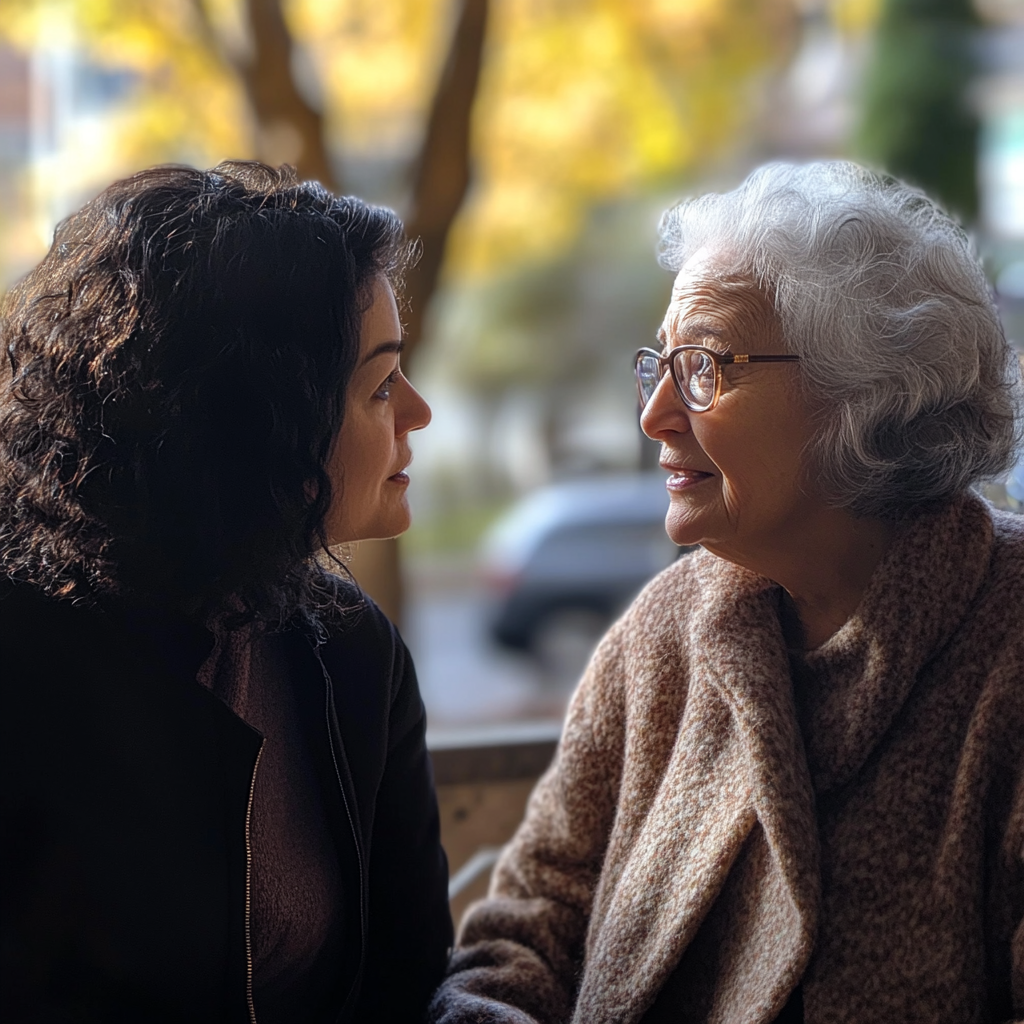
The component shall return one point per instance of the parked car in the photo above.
(568, 557)
(1007, 491)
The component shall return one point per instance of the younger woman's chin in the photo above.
(381, 531)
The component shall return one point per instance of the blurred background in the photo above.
(532, 145)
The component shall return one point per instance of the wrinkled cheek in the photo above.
(732, 502)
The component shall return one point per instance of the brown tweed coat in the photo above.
(696, 826)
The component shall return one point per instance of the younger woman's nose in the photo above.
(415, 413)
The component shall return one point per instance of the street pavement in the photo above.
(467, 680)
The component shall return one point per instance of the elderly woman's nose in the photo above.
(665, 413)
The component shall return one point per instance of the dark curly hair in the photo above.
(175, 378)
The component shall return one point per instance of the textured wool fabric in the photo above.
(688, 837)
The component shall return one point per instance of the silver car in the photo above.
(570, 556)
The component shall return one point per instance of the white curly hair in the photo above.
(882, 296)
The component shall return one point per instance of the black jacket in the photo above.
(124, 791)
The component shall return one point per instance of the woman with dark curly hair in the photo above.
(215, 797)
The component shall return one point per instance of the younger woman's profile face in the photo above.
(367, 465)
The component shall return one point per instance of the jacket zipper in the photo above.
(248, 892)
(348, 812)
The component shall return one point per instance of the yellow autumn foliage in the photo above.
(580, 100)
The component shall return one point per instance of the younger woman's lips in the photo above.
(399, 478)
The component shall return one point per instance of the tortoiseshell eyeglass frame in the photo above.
(718, 359)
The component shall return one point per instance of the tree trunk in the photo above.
(289, 129)
(443, 167)
(440, 183)
(376, 565)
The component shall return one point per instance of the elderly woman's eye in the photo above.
(700, 376)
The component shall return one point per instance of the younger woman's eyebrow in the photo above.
(383, 349)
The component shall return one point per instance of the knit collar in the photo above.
(917, 597)
(859, 679)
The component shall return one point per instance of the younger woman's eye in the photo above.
(384, 391)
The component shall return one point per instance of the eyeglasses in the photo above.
(696, 372)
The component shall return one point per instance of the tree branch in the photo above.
(210, 37)
(442, 171)
(289, 127)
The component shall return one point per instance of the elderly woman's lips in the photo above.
(681, 479)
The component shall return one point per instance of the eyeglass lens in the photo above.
(697, 373)
(648, 373)
(694, 372)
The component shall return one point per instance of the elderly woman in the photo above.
(791, 782)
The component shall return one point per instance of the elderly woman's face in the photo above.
(737, 480)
